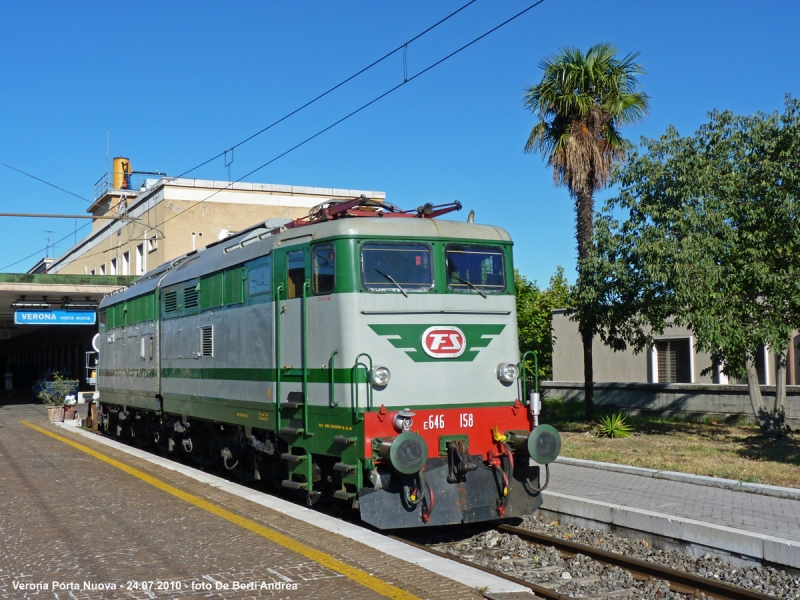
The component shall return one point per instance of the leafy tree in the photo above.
(711, 242)
(534, 308)
(581, 102)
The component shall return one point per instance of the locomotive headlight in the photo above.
(380, 376)
(507, 372)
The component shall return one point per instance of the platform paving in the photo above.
(67, 517)
(746, 511)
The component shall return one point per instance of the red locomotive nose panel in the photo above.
(444, 342)
(475, 423)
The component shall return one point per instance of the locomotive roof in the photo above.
(259, 241)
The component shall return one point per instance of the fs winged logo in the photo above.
(444, 342)
(426, 343)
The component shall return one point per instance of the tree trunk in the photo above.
(588, 375)
(780, 383)
(584, 208)
(771, 424)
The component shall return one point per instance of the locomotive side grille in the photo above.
(170, 302)
(190, 298)
(207, 340)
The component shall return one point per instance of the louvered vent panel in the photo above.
(170, 302)
(207, 340)
(190, 298)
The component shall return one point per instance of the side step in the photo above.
(344, 441)
(291, 405)
(341, 495)
(344, 468)
(293, 458)
(292, 431)
(294, 485)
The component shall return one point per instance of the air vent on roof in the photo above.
(170, 302)
(207, 340)
(190, 298)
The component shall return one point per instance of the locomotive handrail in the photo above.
(369, 385)
(523, 368)
(278, 291)
(333, 378)
(304, 341)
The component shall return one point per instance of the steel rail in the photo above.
(540, 591)
(679, 581)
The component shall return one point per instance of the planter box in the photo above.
(55, 414)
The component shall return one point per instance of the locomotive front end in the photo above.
(449, 436)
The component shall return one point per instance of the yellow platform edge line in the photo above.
(357, 575)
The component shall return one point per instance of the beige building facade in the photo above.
(672, 358)
(159, 219)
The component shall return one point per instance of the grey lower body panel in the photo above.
(473, 500)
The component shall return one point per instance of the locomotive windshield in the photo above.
(475, 268)
(387, 267)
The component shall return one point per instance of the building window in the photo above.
(103, 269)
(140, 259)
(126, 263)
(674, 360)
(93, 272)
(113, 266)
(760, 357)
(152, 244)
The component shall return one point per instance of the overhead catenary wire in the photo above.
(358, 110)
(341, 120)
(224, 153)
(403, 46)
(45, 182)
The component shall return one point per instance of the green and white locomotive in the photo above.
(362, 354)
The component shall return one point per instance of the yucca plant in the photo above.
(614, 426)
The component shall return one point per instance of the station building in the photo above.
(140, 220)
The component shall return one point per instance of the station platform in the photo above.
(84, 517)
(744, 520)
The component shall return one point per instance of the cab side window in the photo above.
(295, 273)
(260, 279)
(323, 270)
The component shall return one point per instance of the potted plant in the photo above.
(59, 395)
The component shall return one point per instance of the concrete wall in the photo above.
(719, 401)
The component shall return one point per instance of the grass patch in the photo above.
(699, 446)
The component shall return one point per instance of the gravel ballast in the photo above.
(583, 577)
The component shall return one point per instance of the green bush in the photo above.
(55, 391)
(614, 426)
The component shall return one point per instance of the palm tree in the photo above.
(581, 102)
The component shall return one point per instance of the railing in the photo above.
(133, 182)
(278, 291)
(523, 368)
(356, 370)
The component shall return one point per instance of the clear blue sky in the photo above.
(178, 82)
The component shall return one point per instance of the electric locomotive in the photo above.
(362, 354)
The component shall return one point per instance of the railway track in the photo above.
(680, 582)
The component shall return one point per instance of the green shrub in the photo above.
(614, 426)
(55, 391)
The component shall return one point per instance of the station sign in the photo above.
(55, 317)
